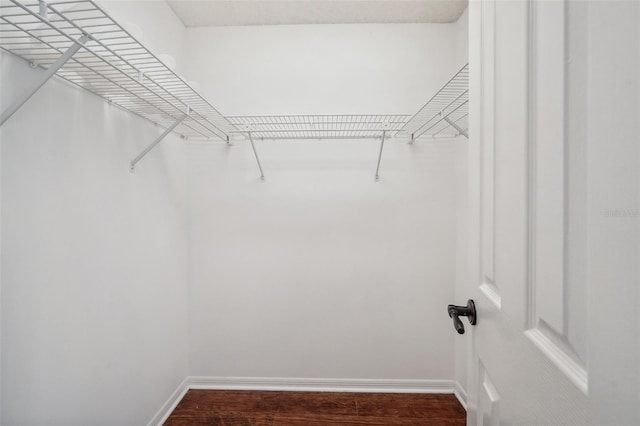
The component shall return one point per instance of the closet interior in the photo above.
(194, 269)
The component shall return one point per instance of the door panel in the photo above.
(531, 389)
(547, 304)
(525, 368)
(488, 170)
(547, 161)
(489, 400)
(510, 159)
(554, 196)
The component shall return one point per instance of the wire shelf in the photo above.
(449, 105)
(112, 64)
(319, 126)
(115, 66)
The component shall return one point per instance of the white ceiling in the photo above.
(199, 13)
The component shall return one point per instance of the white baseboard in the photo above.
(305, 384)
(461, 394)
(170, 404)
(321, 385)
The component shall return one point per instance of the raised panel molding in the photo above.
(491, 292)
(487, 132)
(561, 354)
(547, 162)
(488, 400)
(546, 302)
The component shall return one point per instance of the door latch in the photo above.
(468, 311)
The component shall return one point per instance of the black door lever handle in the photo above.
(468, 311)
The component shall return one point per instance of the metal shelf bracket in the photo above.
(455, 126)
(384, 134)
(446, 110)
(256, 154)
(43, 9)
(43, 78)
(113, 64)
(132, 165)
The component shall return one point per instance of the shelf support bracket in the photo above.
(384, 134)
(43, 78)
(43, 10)
(256, 154)
(455, 126)
(132, 165)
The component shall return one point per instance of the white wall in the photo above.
(320, 271)
(461, 29)
(321, 69)
(93, 260)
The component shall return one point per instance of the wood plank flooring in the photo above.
(206, 407)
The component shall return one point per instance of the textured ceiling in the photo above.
(199, 13)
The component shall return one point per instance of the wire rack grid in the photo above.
(111, 64)
(319, 126)
(449, 105)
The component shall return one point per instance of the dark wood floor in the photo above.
(205, 407)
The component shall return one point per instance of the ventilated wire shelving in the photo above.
(319, 126)
(80, 42)
(104, 58)
(446, 113)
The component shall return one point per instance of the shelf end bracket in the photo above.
(455, 126)
(384, 134)
(43, 9)
(43, 78)
(132, 165)
(256, 154)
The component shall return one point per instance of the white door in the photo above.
(555, 214)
